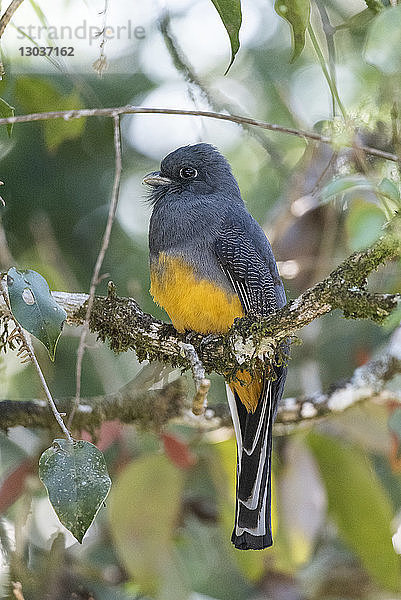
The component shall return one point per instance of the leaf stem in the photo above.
(49, 397)
(30, 351)
(330, 81)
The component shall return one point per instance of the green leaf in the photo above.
(38, 95)
(77, 482)
(7, 111)
(389, 189)
(230, 14)
(143, 510)
(296, 12)
(358, 21)
(341, 185)
(383, 44)
(359, 506)
(389, 195)
(364, 223)
(39, 13)
(34, 307)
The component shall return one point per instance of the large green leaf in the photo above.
(76, 479)
(358, 21)
(34, 307)
(364, 224)
(230, 14)
(383, 44)
(143, 511)
(37, 95)
(341, 185)
(296, 12)
(359, 506)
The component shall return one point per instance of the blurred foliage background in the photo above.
(165, 531)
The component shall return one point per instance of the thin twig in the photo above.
(27, 347)
(99, 262)
(49, 397)
(202, 384)
(366, 383)
(136, 110)
(8, 13)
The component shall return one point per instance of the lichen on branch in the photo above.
(125, 326)
(122, 323)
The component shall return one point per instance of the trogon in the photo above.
(211, 262)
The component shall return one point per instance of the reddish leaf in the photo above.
(14, 483)
(109, 432)
(178, 451)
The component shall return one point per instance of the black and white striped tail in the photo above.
(253, 432)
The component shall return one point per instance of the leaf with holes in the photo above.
(75, 476)
(296, 12)
(34, 307)
(231, 16)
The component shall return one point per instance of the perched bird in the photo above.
(211, 262)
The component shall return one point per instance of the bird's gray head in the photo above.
(199, 169)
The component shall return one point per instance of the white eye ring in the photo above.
(188, 173)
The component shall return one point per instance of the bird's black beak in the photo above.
(155, 179)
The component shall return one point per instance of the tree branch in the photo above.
(152, 409)
(7, 15)
(131, 110)
(368, 382)
(127, 327)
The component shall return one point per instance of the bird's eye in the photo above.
(188, 173)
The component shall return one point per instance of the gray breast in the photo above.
(189, 228)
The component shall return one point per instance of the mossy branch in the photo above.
(125, 326)
(150, 409)
(153, 409)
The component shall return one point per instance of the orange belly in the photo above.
(192, 303)
(200, 305)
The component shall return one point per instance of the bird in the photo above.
(210, 263)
